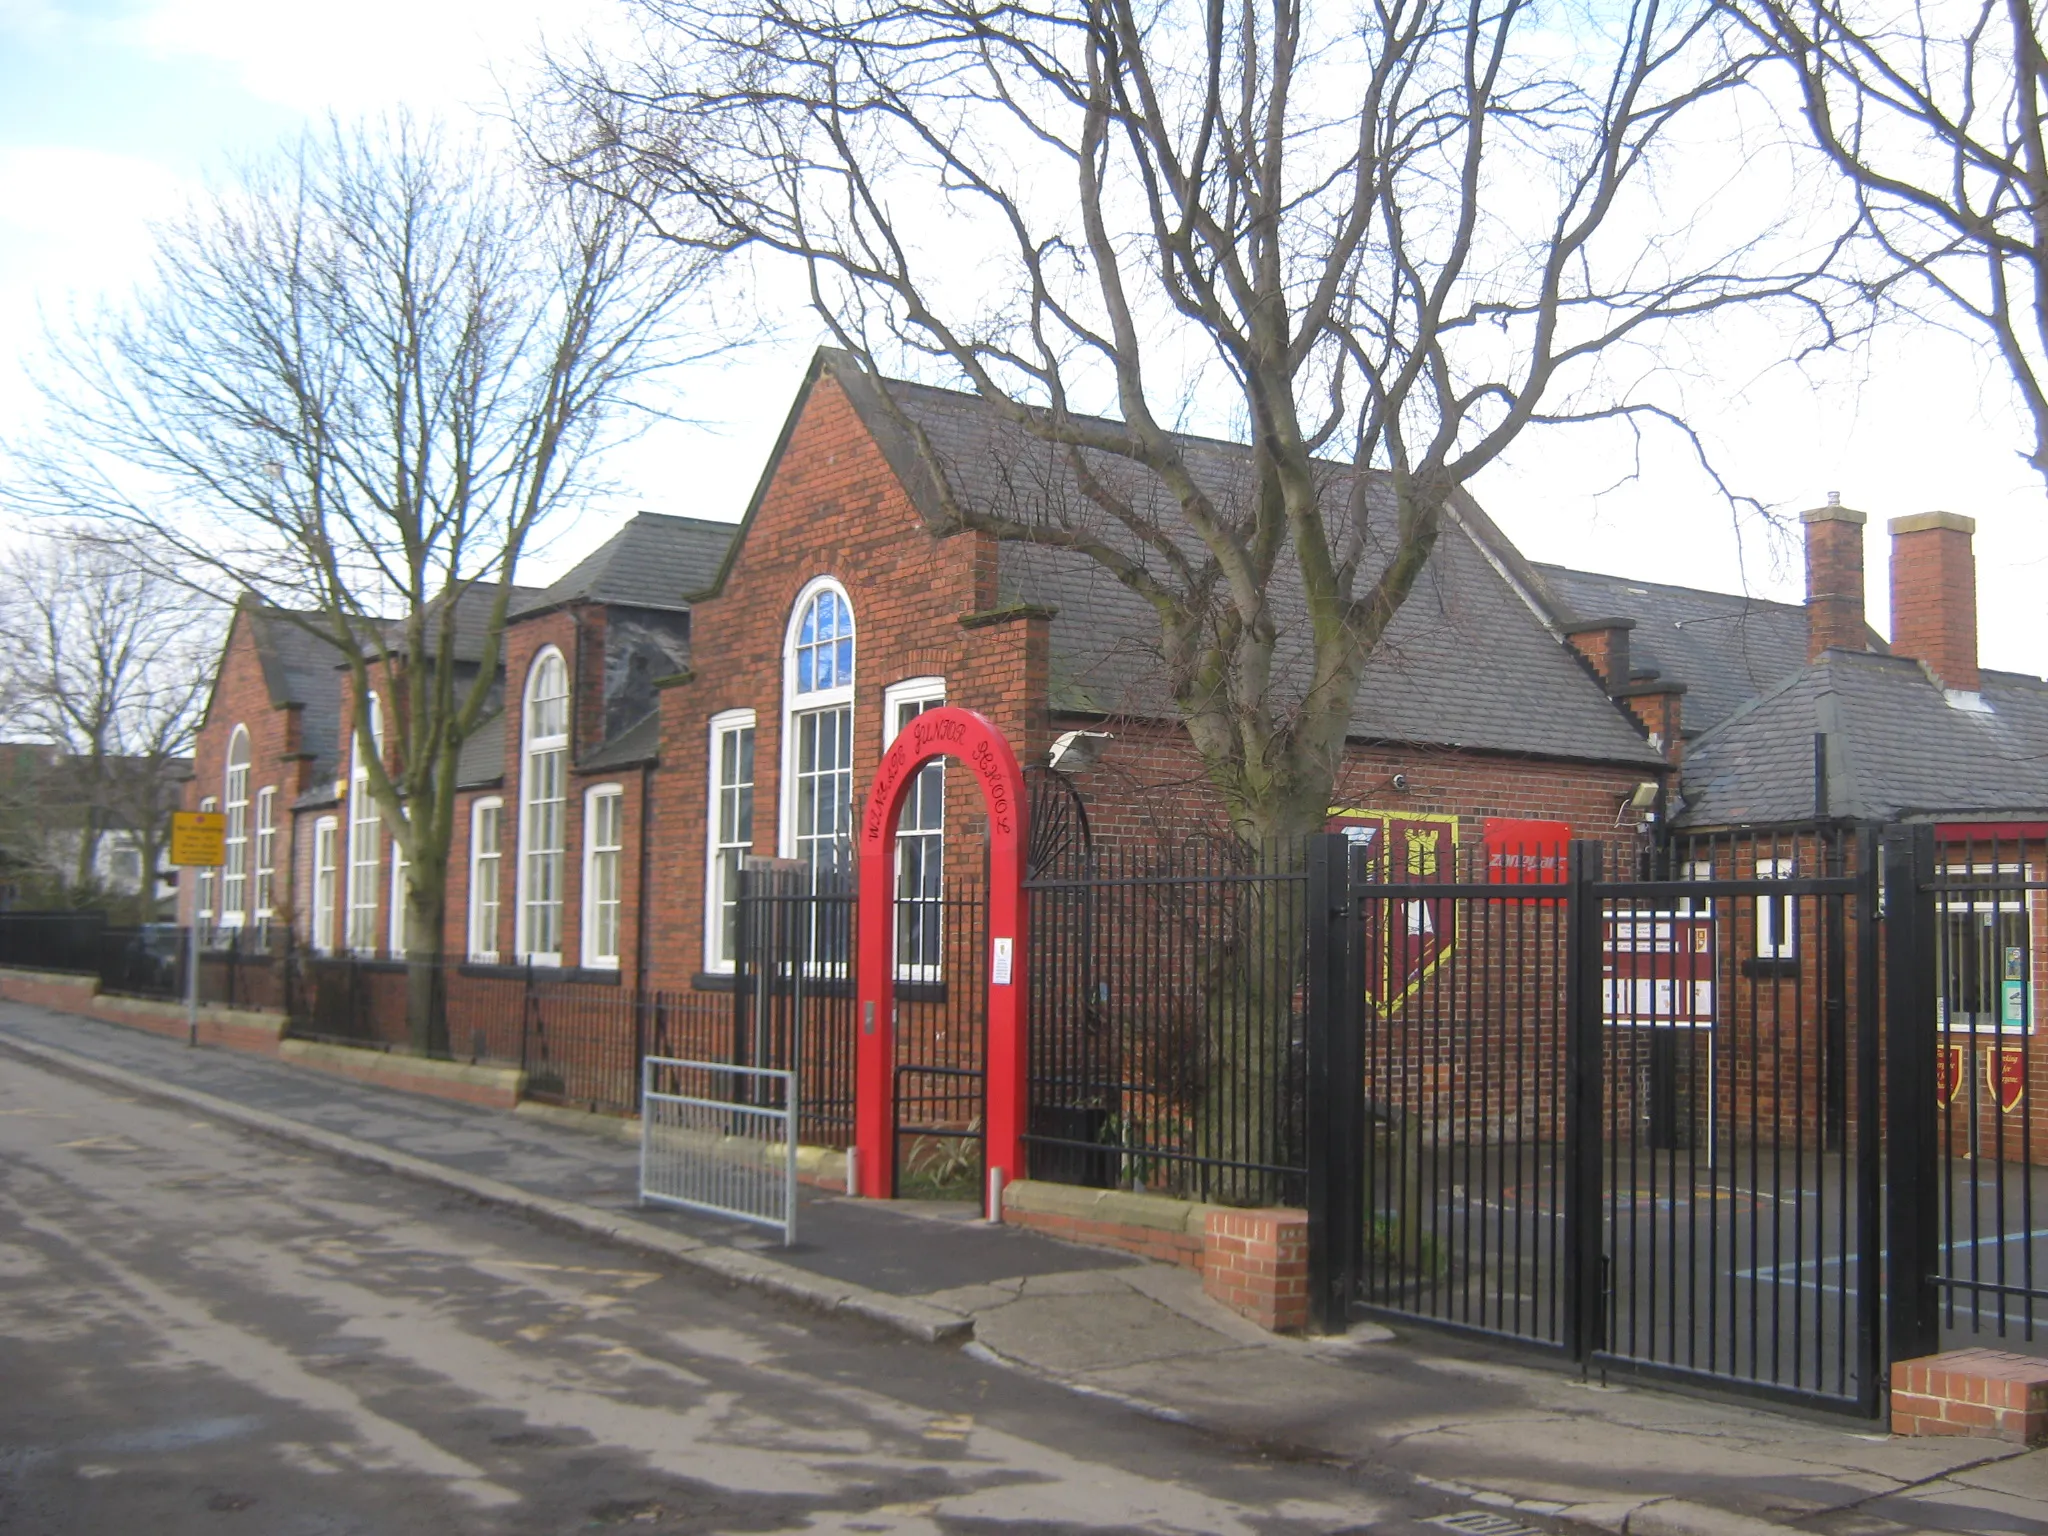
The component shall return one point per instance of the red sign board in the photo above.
(1659, 968)
(1527, 852)
(1415, 937)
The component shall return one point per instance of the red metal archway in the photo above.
(945, 732)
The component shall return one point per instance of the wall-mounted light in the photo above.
(1077, 750)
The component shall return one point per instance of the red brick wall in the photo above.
(1934, 595)
(1834, 579)
(241, 697)
(833, 508)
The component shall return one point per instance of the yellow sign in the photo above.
(199, 838)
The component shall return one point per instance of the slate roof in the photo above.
(481, 762)
(1897, 747)
(303, 669)
(1726, 648)
(1470, 661)
(654, 561)
(637, 743)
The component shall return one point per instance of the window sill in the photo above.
(1772, 967)
(714, 981)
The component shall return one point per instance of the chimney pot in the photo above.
(1934, 596)
(1834, 578)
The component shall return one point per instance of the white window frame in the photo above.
(365, 843)
(203, 887)
(721, 893)
(326, 883)
(925, 693)
(595, 799)
(484, 917)
(263, 877)
(1777, 917)
(401, 884)
(532, 750)
(2002, 900)
(234, 872)
(798, 703)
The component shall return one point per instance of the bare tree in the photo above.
(1378, 242)
(361, 378)
(108, 665)
(1937, 115)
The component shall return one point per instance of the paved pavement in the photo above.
(1430, 1413)
(208, 1332)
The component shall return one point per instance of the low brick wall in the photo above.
(490, 1087)
(1253, 1261)
(235, 1028)
(1981, 1392)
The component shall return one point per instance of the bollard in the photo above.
(995, 1196)
(853, 1171)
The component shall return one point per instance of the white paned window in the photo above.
(326, 878)
(486, 861)
(206, 888)
(732, 834)
(920, 840)
(365, 835)
(264, 876)
(1776, 919)
(234, 873)
(604, 841)
(1984, 955)
(818, 733)
(400, 884)
(543, 794)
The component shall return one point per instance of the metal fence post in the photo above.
(1912, 1133)
(1584, 1329)
(1336, 1089)
(1869, 1128)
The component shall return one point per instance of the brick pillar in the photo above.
(1604, 645)
(1834, 579)
(1934, 595)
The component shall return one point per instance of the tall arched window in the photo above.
(365, 833)
(817, 734)
(543, 793)
(234, 873)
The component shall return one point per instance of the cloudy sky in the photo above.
(113, 111)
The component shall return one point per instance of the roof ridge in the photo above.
(1672, 586)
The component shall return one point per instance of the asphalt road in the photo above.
(205, 1330)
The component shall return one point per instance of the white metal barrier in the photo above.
(719, 1138)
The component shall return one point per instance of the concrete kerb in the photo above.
(919, 1320)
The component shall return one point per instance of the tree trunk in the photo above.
(426, 996)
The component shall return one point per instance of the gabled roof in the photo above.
(655, 561)
(299, 670)
(1472, 660)
(1897, 745)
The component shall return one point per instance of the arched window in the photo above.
(234, 874)
(817, 735)
(365, 833)
(543, 792)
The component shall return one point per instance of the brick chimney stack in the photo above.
(1934, 595)
(1834, 578)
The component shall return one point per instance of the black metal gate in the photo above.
(1629, 1114)
(940, 1073)
(1973, 1118)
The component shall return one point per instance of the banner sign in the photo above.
(1948, 1070)
(1414, 937)
(2005, 1071)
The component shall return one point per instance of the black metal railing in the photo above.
(1166, 1021)
(1629, 1112)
